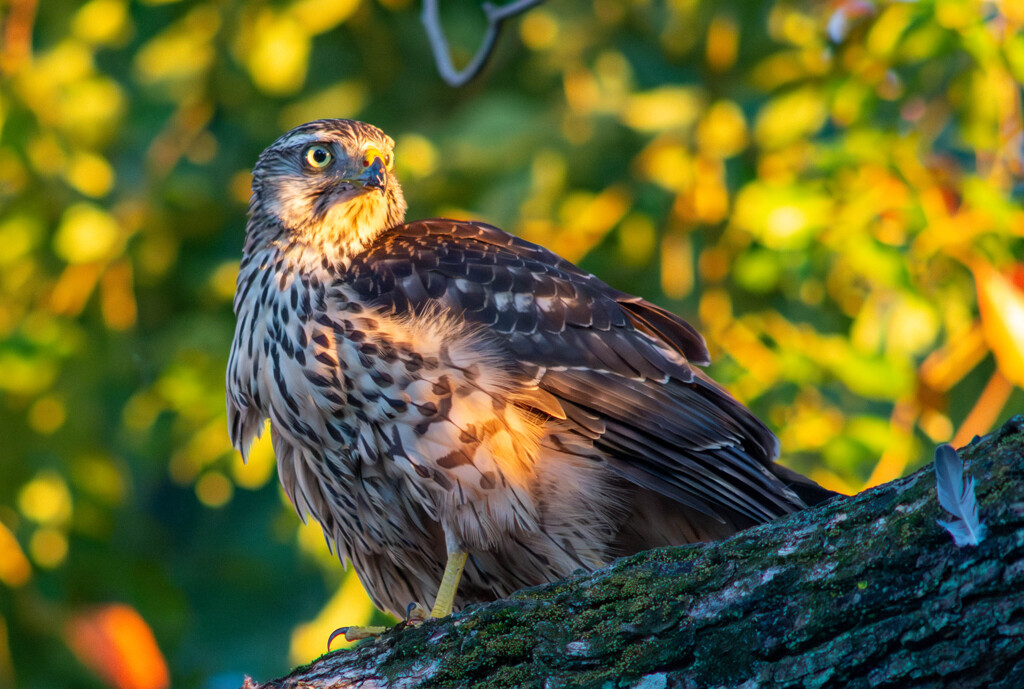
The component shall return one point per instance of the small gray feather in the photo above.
(956, 495)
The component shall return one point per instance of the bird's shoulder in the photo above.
(459, 249)
(546, 309)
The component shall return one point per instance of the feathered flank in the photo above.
(956, 495)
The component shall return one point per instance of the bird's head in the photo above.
(327, 184)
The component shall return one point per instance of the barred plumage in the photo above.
(441, 387)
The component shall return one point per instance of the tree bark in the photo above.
(863, 591)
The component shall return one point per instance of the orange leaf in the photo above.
(1001, 304)
(117, 644)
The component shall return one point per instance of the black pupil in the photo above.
(319, 155)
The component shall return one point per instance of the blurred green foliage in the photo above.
(822, 187)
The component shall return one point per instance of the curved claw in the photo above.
(355, 634)
(334, 635)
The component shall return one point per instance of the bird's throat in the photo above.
(341, 230)
(351, 225)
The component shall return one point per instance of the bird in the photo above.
(464, 412)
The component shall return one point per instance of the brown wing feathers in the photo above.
(611, 359)
(668, 328)
(687, 446)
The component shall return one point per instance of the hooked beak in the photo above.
(375, 176)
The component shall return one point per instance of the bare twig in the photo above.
(496, 15)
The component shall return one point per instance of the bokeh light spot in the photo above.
(48, 547)
(637, 238)
(722, 42)
(19, 234)
(47, 414)
(676, 265)
(46, 499)
(90, 174)
(99, 476)
(666, 107)
(539, 30)
(214, 489)
(101, 22)
(117, 296)
(87, 233)
(722, 131)
(222, 281)
(790, 117)
(277, 53)
(415, 155)
(317, 16)
(181, 53)
(15, 569)
(117, 643)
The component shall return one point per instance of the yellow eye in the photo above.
(387, 161)
(317, 156)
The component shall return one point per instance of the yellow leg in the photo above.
(449, 584)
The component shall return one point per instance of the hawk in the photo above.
(448, 400)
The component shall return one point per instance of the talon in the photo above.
(355, 634)
(415, 613)
(334, 635)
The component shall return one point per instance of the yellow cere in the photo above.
(373, 153)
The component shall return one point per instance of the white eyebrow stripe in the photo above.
(305, 138)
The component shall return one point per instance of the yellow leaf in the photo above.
(539, 30)
(276, 52)
(668, 164)
(89, 111)
(1001, 304)
(723, 43)
(667, 107)
(117, 297)
(780, 216)
(676, 265)
(48, 547)
(318, 16)
(14, 567)
(46, 499)
(181, 53)
(722, 132)
(788, 118)
(416, 155)
(90, 174)
(101, 22)
(87, 233)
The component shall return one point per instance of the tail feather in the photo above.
(806, 489)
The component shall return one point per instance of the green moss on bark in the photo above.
(866, 591)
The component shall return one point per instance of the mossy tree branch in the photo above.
(866, 591)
